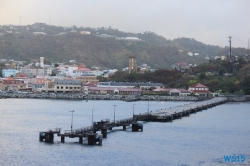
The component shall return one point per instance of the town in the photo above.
(36, 77)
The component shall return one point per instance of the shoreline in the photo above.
(127, 98)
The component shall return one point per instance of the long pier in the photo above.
(162, 115)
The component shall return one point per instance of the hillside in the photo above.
(92, 50)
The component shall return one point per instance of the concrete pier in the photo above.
(162, 115)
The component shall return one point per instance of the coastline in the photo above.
(127, 98)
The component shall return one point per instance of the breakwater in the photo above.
(82, 96)
(128, 98)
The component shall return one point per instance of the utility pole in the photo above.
(114, 113)
(72, 121)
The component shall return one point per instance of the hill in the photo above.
(110, 52)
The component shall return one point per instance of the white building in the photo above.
(85, 32)
(190, 54)
(39, 33)
(42, 62)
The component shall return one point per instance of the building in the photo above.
(181, 66)
(173, 91)
(80, 71)
(39, 33)
(132, 38)
(11, 84)
(190, 54)
(42, 62)
(9, 72)
(39, 83)
(85, 32)
(199, 89)
(88, 78)
(64, 85)
(114, 90)
(140, 85)
(32, 72)
(48, 70)
(132, 64)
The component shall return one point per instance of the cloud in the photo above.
(209, 21)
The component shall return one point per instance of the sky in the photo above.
(207, 21)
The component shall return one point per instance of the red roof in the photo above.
(201, 91)
(181, 64)
(83, 69)
(9, 78)
(40, 81)
(199, 85)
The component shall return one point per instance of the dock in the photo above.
(103, 126)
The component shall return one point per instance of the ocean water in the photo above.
(203, 138)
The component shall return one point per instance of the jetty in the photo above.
(99, 130)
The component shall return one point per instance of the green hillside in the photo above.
(92, 50)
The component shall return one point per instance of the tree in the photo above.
(202, 76)
(222, 70)
(56, 65)
(246, 85)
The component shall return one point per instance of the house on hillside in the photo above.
(199, 89)
(181, 66)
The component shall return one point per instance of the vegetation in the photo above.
(154, 50)
(237, 83)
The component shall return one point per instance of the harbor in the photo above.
(182, 140)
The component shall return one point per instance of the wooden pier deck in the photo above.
(162, 115)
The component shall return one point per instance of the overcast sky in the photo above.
(208, 21)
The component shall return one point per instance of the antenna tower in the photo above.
(230, 52)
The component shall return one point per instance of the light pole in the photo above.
(72, 120)
(92, 116)
(133, 110)
(148, 106)
(114, 112)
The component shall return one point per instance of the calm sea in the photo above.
(203, 138)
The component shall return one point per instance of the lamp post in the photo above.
(92, 116)
(72, 121)
(148, 106)
(133, 111)
(114, 112)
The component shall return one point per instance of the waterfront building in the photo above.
(39, 83)
(11, 84)
(130, 84)
(173, 91)
(199, 89)
(114, 90)
(62, 85)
